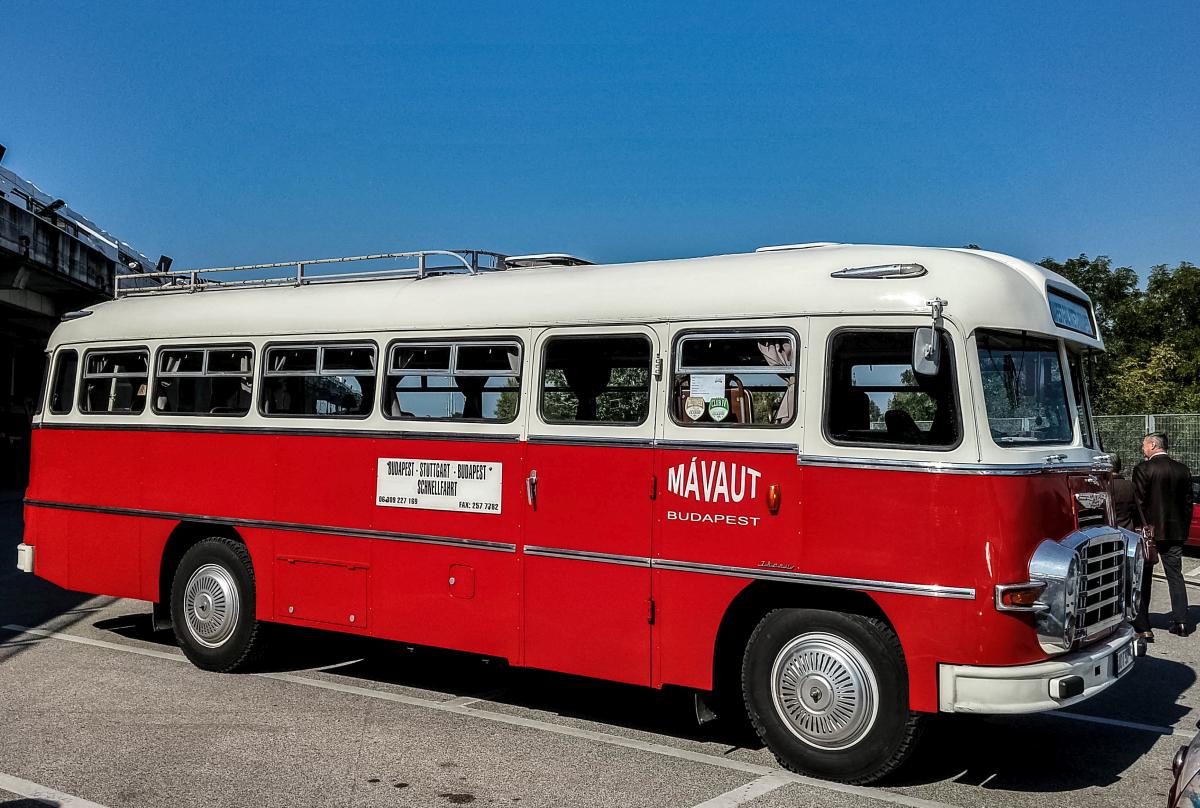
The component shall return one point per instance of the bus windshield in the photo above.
(1024, 389)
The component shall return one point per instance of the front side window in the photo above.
(876, 397)
(1080, 365)
(597, 380)
(62, 391)
(475, 381)
(1023, 389)
(333, 381)
(203, 381)
(115, 382)
(735, 380)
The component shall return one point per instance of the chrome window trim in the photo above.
(688, 336)
(454, 345)
(727, 446)
(943, 467)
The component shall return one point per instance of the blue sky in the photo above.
(222, 133)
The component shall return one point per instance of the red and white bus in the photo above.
(850, 485)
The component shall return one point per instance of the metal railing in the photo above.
(1124, 433)
(415, 264)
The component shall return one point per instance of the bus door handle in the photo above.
(531, 488)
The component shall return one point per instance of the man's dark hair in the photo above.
(1116, 462)
(1159, 439)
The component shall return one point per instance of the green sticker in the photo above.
(718, 408)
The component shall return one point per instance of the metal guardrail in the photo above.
(418, 264)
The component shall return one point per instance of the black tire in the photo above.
(237, 643)
(819, 653)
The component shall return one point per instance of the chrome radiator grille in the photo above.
(1101, 602)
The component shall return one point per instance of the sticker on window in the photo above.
(707, 385)
(439, 485)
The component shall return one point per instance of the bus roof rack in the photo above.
(413, 264)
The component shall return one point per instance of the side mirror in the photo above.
(926, 351)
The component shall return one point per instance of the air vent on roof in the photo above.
(885, 271)
(544, 260)
(782, 247)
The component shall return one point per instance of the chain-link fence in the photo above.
(1123, 433)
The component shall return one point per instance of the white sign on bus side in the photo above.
(439, 485)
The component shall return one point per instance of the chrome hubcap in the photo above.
(825, 691)
(211, 605)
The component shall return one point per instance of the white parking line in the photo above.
(40, 793)
(1113, 722)
(743, 794)
(666, 750)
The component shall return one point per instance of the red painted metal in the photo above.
(298, 500)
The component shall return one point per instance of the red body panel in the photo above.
(323, 550)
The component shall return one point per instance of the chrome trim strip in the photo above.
(863, 584)
(587, 555)
(572, 440)
(483, 437)
(360, 533)
(941, 467)
(727, 446)
(836, 582)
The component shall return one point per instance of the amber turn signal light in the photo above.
(773, 498)
(1018, 597)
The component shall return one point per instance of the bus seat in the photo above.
(741, 403)
(901, 427)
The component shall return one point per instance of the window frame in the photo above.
(57, 361)
(84, 376)
(1064, 370)
(264, 372)
(541, 377)
(203, 374)
(453, 345)
(955, 389)
(700, 333)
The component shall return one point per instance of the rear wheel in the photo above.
(828, 694)
(212, 606)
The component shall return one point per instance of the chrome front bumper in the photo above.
(1042, 686)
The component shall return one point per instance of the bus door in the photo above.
(589, 478)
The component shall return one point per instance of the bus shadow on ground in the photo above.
(1033, 753)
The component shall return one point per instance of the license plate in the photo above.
(1123, 658)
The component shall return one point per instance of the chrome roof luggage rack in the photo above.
(415, 264)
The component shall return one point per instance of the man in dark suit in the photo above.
(1129, 516)
(1163, 487)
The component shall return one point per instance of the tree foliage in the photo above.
(1151, 335)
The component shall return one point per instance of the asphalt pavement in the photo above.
(99, 710)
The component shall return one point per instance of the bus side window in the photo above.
(875, 396)
(336, 381)
(200, 381)
(725, 379)
(115, 382)
(598, 380)
(468, 381)
(62, 393)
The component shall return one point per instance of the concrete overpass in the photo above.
(52, 260)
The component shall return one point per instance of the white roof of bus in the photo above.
(983, 289)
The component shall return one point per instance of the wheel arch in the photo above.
(184, 536)
(760, 597)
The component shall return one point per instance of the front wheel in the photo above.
(828, 694)
(212, 606)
